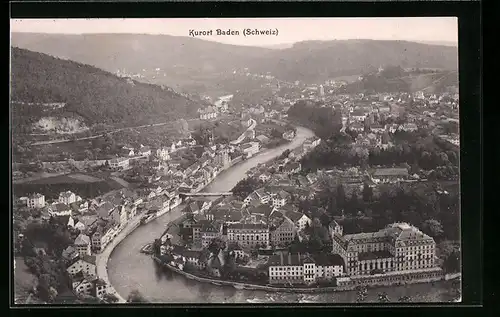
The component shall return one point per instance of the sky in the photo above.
(290, 30)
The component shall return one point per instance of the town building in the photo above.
(290, 269)
(119, 162)
(207, 113)
(282, 232)
(59, 209)
(144, 151)
(36, 201)
(83, 244)
(390, 175)
(163, 153)
(248, 235)
(288, 135)
(250, 148)
(281, 199)
(299, 219)
(399, 247)
(85, 264)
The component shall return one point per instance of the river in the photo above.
(128, 269)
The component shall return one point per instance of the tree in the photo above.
(110, 298)
(136, 297)
(433, 227)
(451, 263)
(245, 187)
(367, 193)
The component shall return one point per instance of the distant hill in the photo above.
(321, 60)
(90, 93)
(183, 60)
(135, 52)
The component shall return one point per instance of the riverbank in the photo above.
(103, 257)
(301, 290)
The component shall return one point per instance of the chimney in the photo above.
(289, 258)
(281, 258)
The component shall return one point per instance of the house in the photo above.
(262, 139)
(282, 231)
(163, 153)
(80, 207)
(281, 199)
(292, 168)
(35, 201)
(357, 127)
(104, 211)
(70, 254)
(207, 113)
(208, 232)
(250, 148)
(83, 244)
(119, 162)
(59, 209)
(84, 286)
(312, 178)
(288, 135)
(262, 195)
(264, 177)
(80, 226)
(89, 221)
(100, 288)
(408, 127)
(248, 235)
(299, 219)
(67, 197)
(392, 128)
(263, 210)
(144, 151)
(389, 175)
(358, 116)
(377, 128)
(85, 264)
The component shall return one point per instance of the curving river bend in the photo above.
(128, 269)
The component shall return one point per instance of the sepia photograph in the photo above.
(235, 160)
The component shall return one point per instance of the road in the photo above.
(110, 132)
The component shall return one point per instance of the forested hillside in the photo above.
(88, 92)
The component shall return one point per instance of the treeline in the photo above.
(415, 150)
(433, 213)
(51, 191)
(325, 122)
(96, 95)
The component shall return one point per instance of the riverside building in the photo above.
(304, 269)
(248, 234)
(399, 247)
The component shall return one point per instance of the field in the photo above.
(85, 185)
(77, 178)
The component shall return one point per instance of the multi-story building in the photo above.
(282, 232)
(280, 199)
(85, 264)
(399, 247)
(250, 148)
(389, 175)
(208, 232)
(163, 153)
(36, 201)
(299, 219)
(83, 245)
(119, 162)
(67, 197)
(303, 269)
(248, 235)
